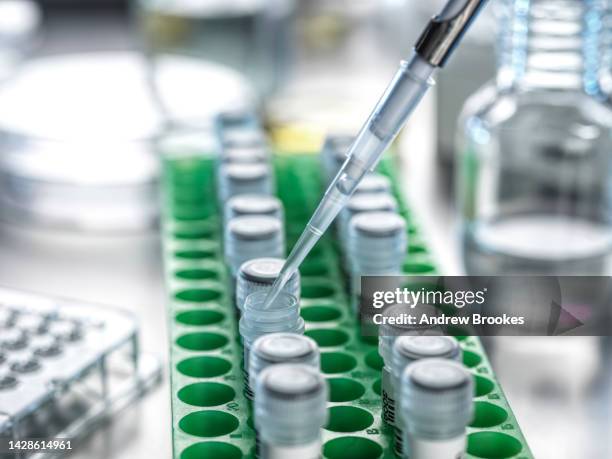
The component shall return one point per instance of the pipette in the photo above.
(410, 83)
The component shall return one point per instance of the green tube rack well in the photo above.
(210, 416)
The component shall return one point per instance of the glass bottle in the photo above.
(535, 154)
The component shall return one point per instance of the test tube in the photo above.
(362, 203)
(334, 154)
(376, 245)
(435, 406)
(407, 350)
(235, 179)
(253, 204)
(259, 274)
(277, 348)
(252, 236)
(282, 316)
(290, 410)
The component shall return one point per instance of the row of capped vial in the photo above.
(426, 393)
(434, 396)
(281, 365)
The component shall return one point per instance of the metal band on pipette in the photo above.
(444, 31)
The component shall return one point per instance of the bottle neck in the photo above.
(550, 44)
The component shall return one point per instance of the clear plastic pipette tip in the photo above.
(331, 204)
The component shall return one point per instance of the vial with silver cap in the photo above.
(376, 245)
(236, 120)
(389, 331)
(333, 154)
(282, 316)
(407, 350)
(240, 178)
(358, 204)
(374, 182)
(252, 236)
(435, 407)
(239, 128)
(253, 204)
(290, 410)
(246, 155)
(241, 137)
(259, 274)
(277, 348)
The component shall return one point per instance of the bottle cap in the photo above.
(259, 274)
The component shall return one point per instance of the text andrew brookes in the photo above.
(442, 320)
(488, 305)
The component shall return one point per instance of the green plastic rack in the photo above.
(211, 418)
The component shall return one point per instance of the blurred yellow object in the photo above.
(325, 31)
(297, 138)
(165, 31)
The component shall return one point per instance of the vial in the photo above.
(374, 183)
(236, 120)
(259, 274)
(277, 348)
(252, 236)
(334, 154)
(235, 179)
(436, 407)
(407, 350)
(362, 203)
(290, 410)
(253, 204)
(389, 331)
(243, 137)
(246, 154)
(376, 245)
(282, 316)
